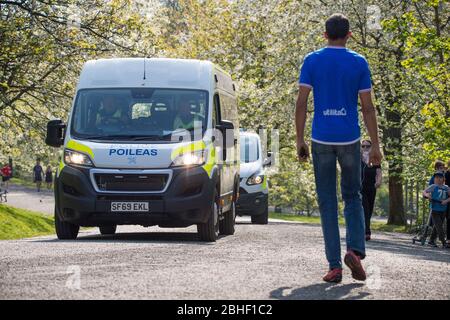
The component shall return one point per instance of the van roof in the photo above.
(249, 134)
(153, 72)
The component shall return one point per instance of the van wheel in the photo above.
(226, 225)
(209, 231)
(65, 230)
(108, 230)
(261, 218)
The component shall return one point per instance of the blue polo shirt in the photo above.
(336, 76)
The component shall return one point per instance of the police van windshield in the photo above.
(249, 149)
(138, 114)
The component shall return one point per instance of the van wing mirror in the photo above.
(55, 133)
(268, 160)
(225, 125)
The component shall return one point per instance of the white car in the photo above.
(253, 187)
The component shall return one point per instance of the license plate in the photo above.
(129, 207)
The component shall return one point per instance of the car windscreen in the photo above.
(249, 149)
(138, 114)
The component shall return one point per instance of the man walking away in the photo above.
(337, 75)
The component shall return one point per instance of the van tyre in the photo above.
(226, 225)
(108, 230)
(261, 218)
(209, 231)
(65, 230)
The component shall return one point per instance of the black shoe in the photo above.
(432, 244)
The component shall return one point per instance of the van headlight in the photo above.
(195, 158)
(77, 158)
(255, 179)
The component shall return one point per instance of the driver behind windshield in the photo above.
(111, 113)
(184, 119)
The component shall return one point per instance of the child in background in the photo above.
(439, 194)
(439, 166)
(49, 177)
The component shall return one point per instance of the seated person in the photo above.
(110, 113)
(184, 119)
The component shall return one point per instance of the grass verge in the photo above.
(24, 182)
(19, 223)
(375, 225)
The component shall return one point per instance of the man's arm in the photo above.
(378, 178)
(370, 120)
(300, 121)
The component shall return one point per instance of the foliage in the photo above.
(262, 44)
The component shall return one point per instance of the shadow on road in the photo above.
(138, 237)
(409, 249)
(320, 291)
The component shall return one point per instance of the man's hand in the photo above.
(302, 150)
(375, 156)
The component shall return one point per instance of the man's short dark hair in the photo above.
(337, 26)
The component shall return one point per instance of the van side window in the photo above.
(216, 111)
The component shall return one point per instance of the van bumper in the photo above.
(252, 204)
(186, 201)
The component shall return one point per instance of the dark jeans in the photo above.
(324, 160)
(438, 229)
(434, 233)
(368, 202)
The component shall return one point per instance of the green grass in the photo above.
(18, 223)
(375, 226)
(24, 182)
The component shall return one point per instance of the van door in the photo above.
(229, 165)
(224, 168)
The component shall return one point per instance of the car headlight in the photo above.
(255, 179)
(77, 158)
(195, 158)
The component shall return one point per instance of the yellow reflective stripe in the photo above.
(77, 146)
(61, 166)
(195, 146)
(211, 160)
(264, 184)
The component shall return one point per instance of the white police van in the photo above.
(253, 191)
(148, 142)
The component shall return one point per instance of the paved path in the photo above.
(282, 260)
(30, 199)
(276, 261)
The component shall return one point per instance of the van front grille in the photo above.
(131, 182)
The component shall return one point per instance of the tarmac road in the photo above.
(276, 261)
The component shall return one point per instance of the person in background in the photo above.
(370, 180)
(6, 174)
(49, 177)
(447, 182)
(38, 174)
(438, 193)
(438, 166)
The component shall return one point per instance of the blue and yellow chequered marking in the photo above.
(77, 146)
